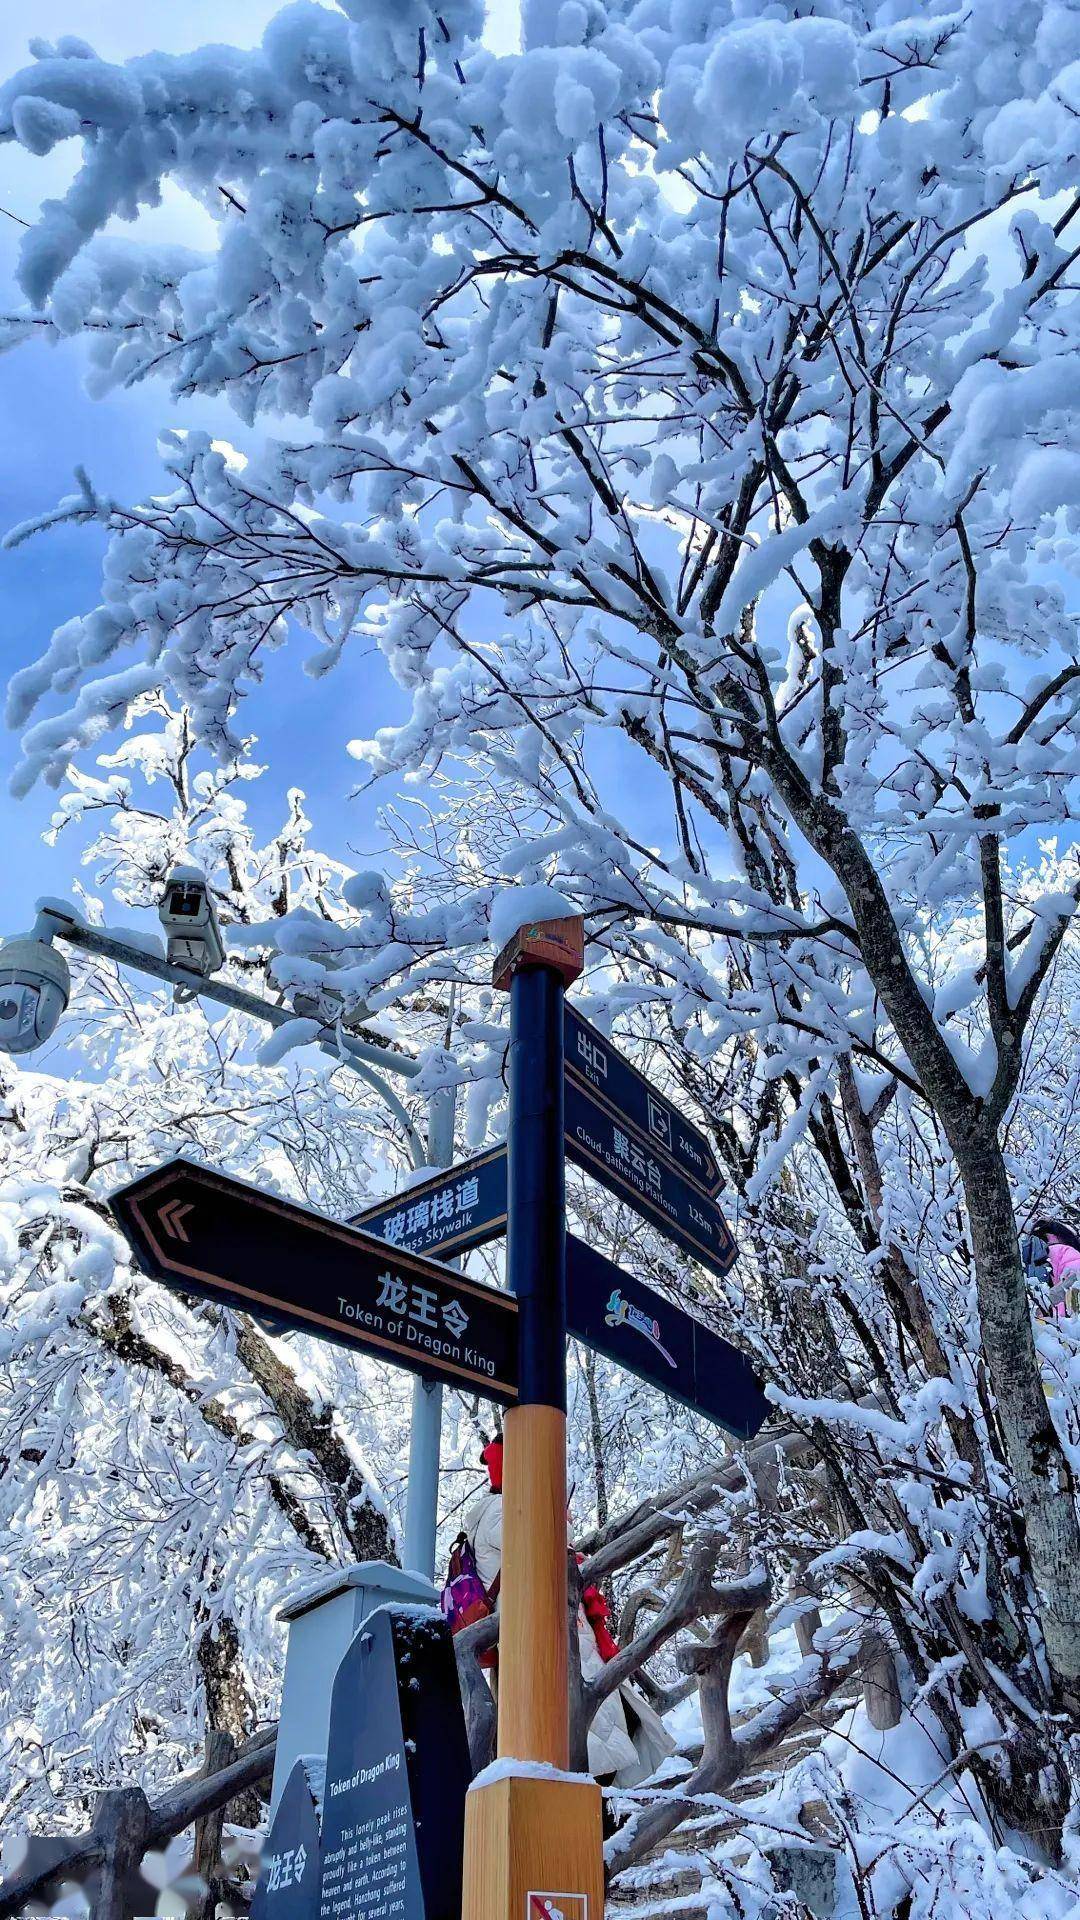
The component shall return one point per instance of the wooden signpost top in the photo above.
(558, 944)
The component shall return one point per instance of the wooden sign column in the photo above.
(533, 1842)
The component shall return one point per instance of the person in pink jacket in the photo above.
(1052, 1255)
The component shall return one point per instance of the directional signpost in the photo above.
(529, 1834)
(618, 1128)
(592, 1062)
(372, 1285)
(198, 1229)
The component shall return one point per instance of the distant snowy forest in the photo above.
(684, 409)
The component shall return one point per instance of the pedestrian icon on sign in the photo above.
(557, 1906)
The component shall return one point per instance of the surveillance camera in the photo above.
(190, 922)
(35, 987)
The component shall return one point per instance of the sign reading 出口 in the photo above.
(598, 1066)
(198, 1229)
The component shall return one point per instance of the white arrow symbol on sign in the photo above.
(171, 1215)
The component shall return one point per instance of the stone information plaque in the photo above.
(288, 1884)
(396, 1774)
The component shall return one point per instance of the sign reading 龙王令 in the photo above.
(196, 1228)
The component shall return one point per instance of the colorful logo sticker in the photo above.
(620, 1313)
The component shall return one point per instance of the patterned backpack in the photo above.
(464, 1597)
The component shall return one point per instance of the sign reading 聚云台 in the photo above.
(614, 1154)
(195, 1228)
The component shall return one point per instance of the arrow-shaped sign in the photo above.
(613, 1083)
(199, 1230)
(639, 1329)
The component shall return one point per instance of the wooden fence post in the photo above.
(121, 1825)
(881, 1688)
(808, 1623)
(206, 1854)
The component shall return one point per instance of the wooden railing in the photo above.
(127, 1825)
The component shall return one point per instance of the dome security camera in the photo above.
(35, 987)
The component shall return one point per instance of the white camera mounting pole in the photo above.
(363, 1056)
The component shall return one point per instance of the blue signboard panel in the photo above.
(466, 1205)
(594, 1064)
(448, 1214)
(641, 1331)
(397, 1771)
(599, 1142)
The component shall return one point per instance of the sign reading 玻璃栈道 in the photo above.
(448, 1214)
(198, 1229)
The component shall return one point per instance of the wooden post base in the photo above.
(533, 1850)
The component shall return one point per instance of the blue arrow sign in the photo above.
(641, 1331)
(605, 1073)
(612, 1152)
(449, 1213)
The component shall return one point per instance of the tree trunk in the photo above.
(1044, 1481)
(229, 1708)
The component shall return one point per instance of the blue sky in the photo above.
(48, 425)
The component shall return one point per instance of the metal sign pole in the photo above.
(533, 1722)
(425, 1434)
(533, 1840)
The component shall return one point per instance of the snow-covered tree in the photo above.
(168, 1471)
(687, 415)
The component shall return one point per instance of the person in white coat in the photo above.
(615, 1753)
